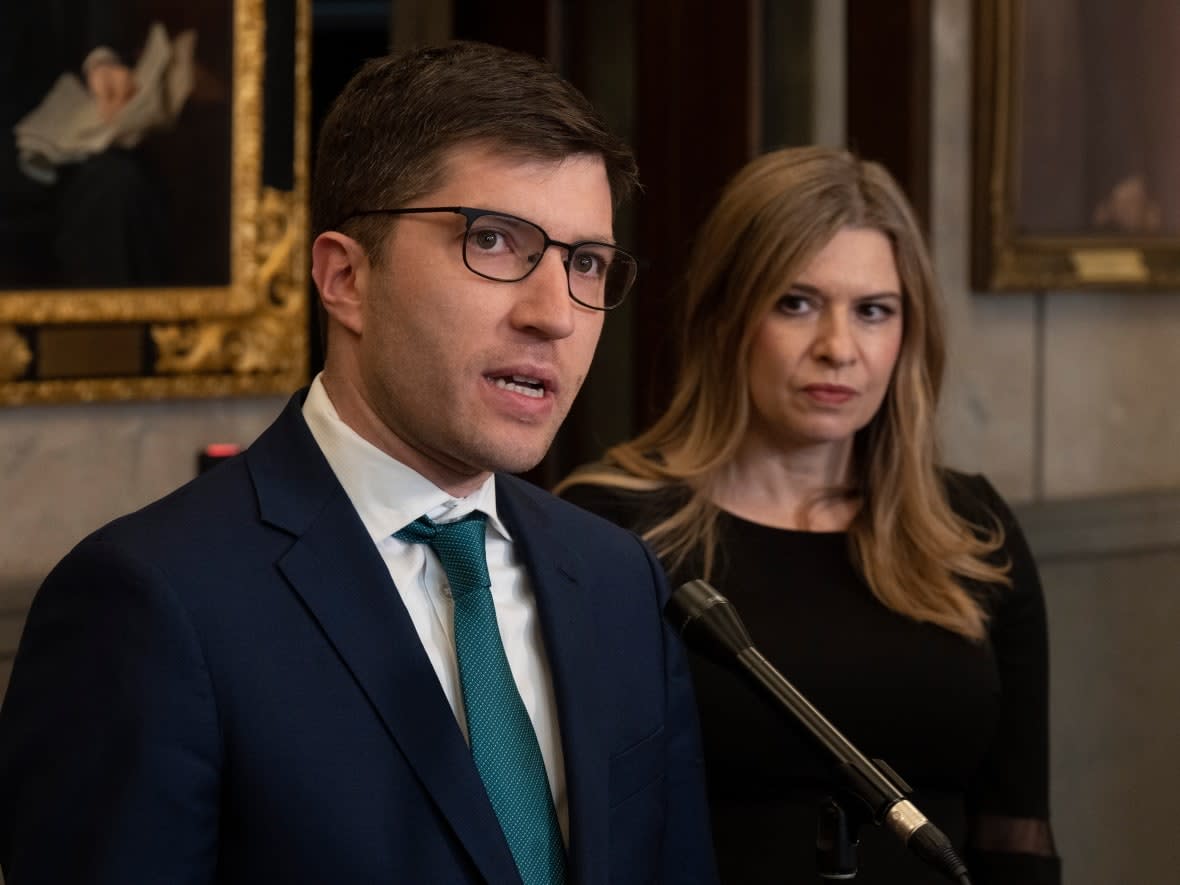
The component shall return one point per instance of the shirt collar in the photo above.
(386, 493)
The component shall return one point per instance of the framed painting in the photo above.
(153, 198)
(1076, 135)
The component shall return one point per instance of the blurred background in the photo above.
(1064, 398)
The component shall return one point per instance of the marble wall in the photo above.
(66, 470)
(1065, 400)
(1109, 567)
(989, 412)
(1053, 394)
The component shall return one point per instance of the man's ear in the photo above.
(341, 271)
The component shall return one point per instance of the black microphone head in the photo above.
(707, 622)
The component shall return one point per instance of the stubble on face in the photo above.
(436, 335)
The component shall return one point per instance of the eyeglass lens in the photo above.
(503, 248)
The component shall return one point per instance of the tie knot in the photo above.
(459, 545)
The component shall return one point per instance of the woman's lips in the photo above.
(829, 394)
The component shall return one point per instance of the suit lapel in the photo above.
(564, 608)
(335, 569)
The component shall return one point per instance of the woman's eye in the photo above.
(793, 304)
(876, 312)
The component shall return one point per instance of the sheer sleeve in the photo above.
(1010, 838)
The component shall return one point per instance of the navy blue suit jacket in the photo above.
(225, 687)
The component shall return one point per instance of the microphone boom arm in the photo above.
(882, 791)
(707, 621)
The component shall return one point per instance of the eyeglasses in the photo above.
(507, 249)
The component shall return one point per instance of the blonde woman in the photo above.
(796, 469)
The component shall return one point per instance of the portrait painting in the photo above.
(152, 197)
(1077, 131)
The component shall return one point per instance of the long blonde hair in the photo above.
(771, 219)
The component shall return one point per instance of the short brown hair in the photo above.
(385, 139)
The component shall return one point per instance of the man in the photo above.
(269, 675)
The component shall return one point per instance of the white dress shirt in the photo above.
(388, 496)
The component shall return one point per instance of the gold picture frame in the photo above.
(1074, 176)
(248, 336)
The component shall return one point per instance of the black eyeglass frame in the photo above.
(472, 215)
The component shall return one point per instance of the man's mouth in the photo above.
(521, 384)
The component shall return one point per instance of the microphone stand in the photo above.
(708, 622)
(835, 842)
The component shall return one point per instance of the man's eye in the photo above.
(486, 239)
(588, 264)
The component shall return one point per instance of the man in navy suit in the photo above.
(258, 679)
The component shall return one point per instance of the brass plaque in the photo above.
(89, 351)
(1110, 265)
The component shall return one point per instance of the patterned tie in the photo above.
(503, 742)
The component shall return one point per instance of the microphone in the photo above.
(709, 624)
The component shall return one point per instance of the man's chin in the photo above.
(521, 462)
(519, 455)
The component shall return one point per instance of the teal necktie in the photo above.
(503, 742)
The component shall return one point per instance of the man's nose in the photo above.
(545, 306)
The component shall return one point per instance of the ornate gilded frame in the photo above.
(1004, 257)
(247, 337)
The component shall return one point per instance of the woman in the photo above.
(797, 471)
